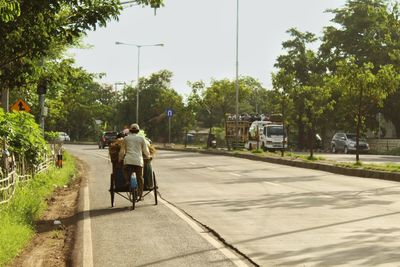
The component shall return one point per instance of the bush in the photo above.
(23, 135)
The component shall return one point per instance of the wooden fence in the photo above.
(13, 172)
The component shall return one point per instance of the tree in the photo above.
(33, 30)
(301, 63)
(155, 96)
(361, 90)
(368, 31)
(317, 102)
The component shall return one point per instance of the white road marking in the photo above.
(274, 184)
(215, 243)
(87, 231)
(326, 196)
(235, 174)
(211, 168)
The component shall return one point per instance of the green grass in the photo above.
(388, 167)
(17, 217)
(257, 151)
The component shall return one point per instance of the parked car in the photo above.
(62, 136)
(107, 138)
(346, 142)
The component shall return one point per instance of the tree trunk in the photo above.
(226, 139)
(358, 125)
(300, 132)
(186, 137)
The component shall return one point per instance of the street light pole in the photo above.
(237, 74)
(138, 73)
(138, 84)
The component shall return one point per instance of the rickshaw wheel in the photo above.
(133, 197)
(155, 188)
(112, 190)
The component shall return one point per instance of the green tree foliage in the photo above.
(317, 103)
(74, 100)
(155, 96)
(368, 31)
(43, 25)
(362, 90)
(301, 63)
(23, 135)
(9, 10)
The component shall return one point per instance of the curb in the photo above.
(391, 176)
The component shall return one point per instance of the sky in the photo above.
(199, 38)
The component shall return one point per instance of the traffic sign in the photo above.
(20, 105)
(169, 112)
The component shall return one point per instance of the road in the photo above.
(148, 236)
(275, 215)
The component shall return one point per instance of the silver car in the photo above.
(346, 142)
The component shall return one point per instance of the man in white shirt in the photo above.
(132, 150)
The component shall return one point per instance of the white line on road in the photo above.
(211, 168)
(235, 174)
(87, 231)
(221, 247)
(274, 184)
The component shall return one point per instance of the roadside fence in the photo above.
(15, 170)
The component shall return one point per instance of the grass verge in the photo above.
(17, 218)
(389, 167)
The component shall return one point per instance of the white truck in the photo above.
(267, 135)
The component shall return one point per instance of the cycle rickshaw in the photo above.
(130, 192)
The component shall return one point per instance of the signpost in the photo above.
(169, 112)
(20, 105)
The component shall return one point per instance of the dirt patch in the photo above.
(55, 232)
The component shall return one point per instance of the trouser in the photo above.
(128, 170)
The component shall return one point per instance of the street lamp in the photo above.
(138, 72)
(237, 73)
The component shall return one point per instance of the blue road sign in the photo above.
(169, 112)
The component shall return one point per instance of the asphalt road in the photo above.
(275, 215)
(148, 236)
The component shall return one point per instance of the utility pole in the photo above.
(5, 99)
(41, 91)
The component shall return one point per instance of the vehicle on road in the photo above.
(62, 136)
(107, 138)
(346, 142)
(268, 135)
(251, 132)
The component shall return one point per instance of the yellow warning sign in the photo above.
(20, 105)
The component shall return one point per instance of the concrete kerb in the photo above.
(392, 176)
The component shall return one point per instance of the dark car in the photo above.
(107, 138)
(346, 142)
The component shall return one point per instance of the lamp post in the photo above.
(237, 74)
(138, 72)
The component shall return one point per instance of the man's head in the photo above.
(134, 128)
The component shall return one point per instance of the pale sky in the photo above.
(199, 38)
